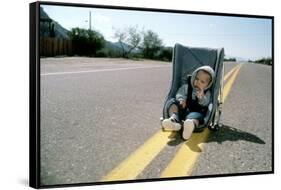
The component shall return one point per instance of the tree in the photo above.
(86, 42)
(265, 61)
(129, 39)
(166, 54)
(232, 59)
(151, 44)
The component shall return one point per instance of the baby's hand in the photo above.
(182, 104)
(200, 94)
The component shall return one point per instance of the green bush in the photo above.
(230, 59)
(265, 61)
(107, 52)
(166, 54)
(86, 42)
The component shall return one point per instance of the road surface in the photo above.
(99, 116)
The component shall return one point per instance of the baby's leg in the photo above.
(196, 122)
(172, 123)
(173, 109)
(188, 128)
(192, 120)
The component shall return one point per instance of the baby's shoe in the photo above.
(171, 125)
(188, 128)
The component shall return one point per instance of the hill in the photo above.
(51, 28)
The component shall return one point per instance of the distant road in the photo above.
(95, 113)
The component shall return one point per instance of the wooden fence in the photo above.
(55, 46)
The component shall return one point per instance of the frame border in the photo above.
(34, 96)
(34, 92)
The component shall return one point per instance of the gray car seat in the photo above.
(185, 61)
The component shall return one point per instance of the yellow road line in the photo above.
(182, 163)
(230, 72)
(228, 85)
(133, 165)
(185, 158)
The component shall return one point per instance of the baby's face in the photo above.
(201, 80)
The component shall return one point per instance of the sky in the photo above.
(241, 37)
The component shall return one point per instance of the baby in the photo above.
(191, 103)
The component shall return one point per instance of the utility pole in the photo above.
(90, 20)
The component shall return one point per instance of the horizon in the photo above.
(241, 37)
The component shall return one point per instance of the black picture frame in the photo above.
(35, 180)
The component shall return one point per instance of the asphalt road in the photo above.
(96, 112)
(244, 144)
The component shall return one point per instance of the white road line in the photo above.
(101, 70)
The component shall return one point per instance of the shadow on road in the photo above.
(225, 133)
(175, 139)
